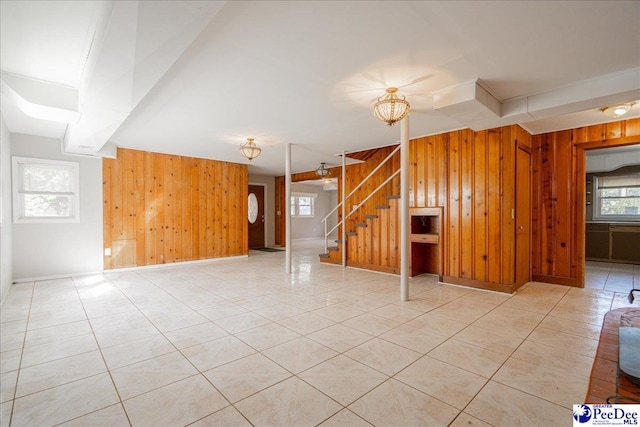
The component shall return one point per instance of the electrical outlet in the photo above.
(107, 251)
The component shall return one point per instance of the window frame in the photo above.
(18, 193)
(295, 197)
(597, 206)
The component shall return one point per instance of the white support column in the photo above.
(287, 209)
(405, 220)
(344, 209)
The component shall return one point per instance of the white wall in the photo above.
(597, 161)
(307, 228)
(6, 274)
(270, 205)
(42, 250)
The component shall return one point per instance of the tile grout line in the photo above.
(24, 340)
(102, 356)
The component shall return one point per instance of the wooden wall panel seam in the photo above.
(161, 208)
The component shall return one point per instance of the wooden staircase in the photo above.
(372, 240)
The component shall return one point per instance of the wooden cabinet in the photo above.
(426, 241)
(625, 243)
(613, 242)
(597, 241)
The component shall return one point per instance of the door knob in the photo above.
(520, 227)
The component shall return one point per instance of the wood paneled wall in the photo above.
(472, 176)
(558, 199)
(161, 208)
(469, 174)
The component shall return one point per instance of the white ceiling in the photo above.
(201, 77)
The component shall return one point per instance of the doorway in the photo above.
(612, 217)
(523, 215)
(256, 217)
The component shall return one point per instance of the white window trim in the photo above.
(17, 205)
(296, 195)
(596, 207)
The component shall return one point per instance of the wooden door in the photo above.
(523, 216)
(256, 216)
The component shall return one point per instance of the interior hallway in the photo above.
(239, 342)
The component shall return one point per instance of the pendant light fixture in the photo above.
(323, 170)
(391, 109)
(250, 149)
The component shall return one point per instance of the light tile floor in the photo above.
(239, 342)
(612, 276)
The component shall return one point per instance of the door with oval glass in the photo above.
(256, 216)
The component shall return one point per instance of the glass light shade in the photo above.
(322, 170)
(618, 110)
(391, 109)
(621, 110)
(250, 149)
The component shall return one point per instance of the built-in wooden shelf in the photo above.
(426, 245)
(425, 238)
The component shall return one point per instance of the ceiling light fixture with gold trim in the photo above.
(250, 149)
(323, 170)
(618, 110)
(390, 108)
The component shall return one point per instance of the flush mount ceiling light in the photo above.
(250, 149)
(618, 110)
(391, 109)
(323, 170)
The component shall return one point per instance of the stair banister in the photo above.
(344, 209)
(342, 203)
(393, 175)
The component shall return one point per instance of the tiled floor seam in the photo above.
(24, 340)
(508, 358)
(103, 360)
(165, 385)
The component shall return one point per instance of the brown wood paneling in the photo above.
(454, 207)
(468, 207)
(558, 196)
(494, 206)
(479, 240)
(471, 175)
(523, 216)
(507, 191)
(162, 208)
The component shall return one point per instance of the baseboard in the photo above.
(557, 280)
(174, 264)
(480, 284)
(374, 267)
(128, 269)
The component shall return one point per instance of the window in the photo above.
(617, 197)
(302, 204)
(45, 191)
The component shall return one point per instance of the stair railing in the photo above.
(344, 199)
